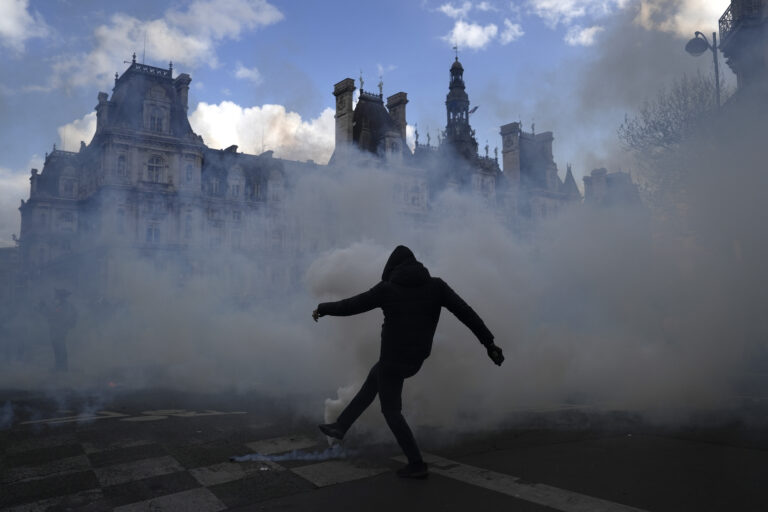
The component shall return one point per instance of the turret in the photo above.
(458, 132)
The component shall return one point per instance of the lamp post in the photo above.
(698, 45)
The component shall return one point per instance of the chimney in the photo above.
(343, 92)
(102, 111)
(181, 84)
(396, 106)
(510, 152)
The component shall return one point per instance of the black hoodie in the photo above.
(411, 300)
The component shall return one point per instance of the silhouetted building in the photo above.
(744, 42)
(528, 188)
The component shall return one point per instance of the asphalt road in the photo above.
(157, 450)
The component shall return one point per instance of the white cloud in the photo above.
(459, 12)
(579, 36)
(286, 133)
(188, 37)
(681, 17)
(17, 24)
(385, 69)
(555, 12)
(78, 130)
(471, 35)
(14, 186)
(486, 6)
(512, 32)
(250, 74)
(224, 19)
(410, 136)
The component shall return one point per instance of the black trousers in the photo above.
(386, 380)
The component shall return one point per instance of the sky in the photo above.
(263, 72)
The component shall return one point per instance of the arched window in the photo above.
(154, 169)
(121, 168)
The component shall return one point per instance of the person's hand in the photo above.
(495, 353)
(315, 315)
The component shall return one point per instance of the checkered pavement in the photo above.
(128, 474)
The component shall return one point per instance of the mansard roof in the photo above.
(139, 83)
(370, 115)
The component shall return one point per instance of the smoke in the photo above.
(334, 452)
(15, 187)
(612, 310)
(637, 50)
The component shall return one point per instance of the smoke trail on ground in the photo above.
(334, 452)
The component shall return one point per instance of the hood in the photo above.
(404, 269)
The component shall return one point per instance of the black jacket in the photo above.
(411, 300)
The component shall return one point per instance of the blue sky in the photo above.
(263, 71)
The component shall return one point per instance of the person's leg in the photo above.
(361, 401)
(390, 396)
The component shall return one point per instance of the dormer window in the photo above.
(156, 120)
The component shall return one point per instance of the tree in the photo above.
(656, 135)
(672, 116)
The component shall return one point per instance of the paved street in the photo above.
(172, 451)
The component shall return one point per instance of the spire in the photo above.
(570, 189)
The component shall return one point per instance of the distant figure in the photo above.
(411, 300)
(62, 317)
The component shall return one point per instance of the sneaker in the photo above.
(332, 430)
(418, 470)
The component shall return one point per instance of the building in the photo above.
(527, 189)
(744, 42)
(147, 184)
(602, 188)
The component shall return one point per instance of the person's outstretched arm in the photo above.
(361, 303)
(468, 317)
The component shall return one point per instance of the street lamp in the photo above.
(699, 45)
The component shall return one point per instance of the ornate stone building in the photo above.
(147, 183)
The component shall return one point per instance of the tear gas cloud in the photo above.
(619, 309)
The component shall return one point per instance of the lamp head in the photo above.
(697, 46)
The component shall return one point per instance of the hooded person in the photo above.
(411, 300)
